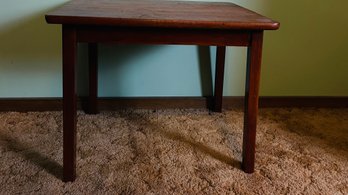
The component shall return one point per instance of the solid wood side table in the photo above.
(158, 22)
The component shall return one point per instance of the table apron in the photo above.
(126, 35)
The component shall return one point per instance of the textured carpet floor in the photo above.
(299, 151)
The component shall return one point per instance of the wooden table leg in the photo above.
(251, 100)
(69, 103)
(219, 78)
(93, 78)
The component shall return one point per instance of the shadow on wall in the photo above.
(30, 63)
(30, 58)
(205, 70)
(29, 44)
(307, 56)
(133, 69)
(118, 58)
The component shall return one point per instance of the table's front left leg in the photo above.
(69, 103)
(251, 100)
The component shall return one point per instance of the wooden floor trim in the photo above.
(55, 104)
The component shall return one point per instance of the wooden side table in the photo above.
(158, 22)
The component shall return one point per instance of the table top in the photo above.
(157, 13)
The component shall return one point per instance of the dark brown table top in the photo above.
(157, 13)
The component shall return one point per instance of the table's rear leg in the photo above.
(69, 103)
(93, 78)
(219, 78)
(251, 100)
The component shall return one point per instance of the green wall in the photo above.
(308, 56)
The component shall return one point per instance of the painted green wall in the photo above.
(308, 56)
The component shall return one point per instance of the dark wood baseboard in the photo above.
(55, 104)
(30, 104)
(320, 101)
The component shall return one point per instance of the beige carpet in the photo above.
(299, 151)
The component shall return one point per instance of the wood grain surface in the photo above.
(155, 13)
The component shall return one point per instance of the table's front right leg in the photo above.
(69, 103)
(251, 100)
